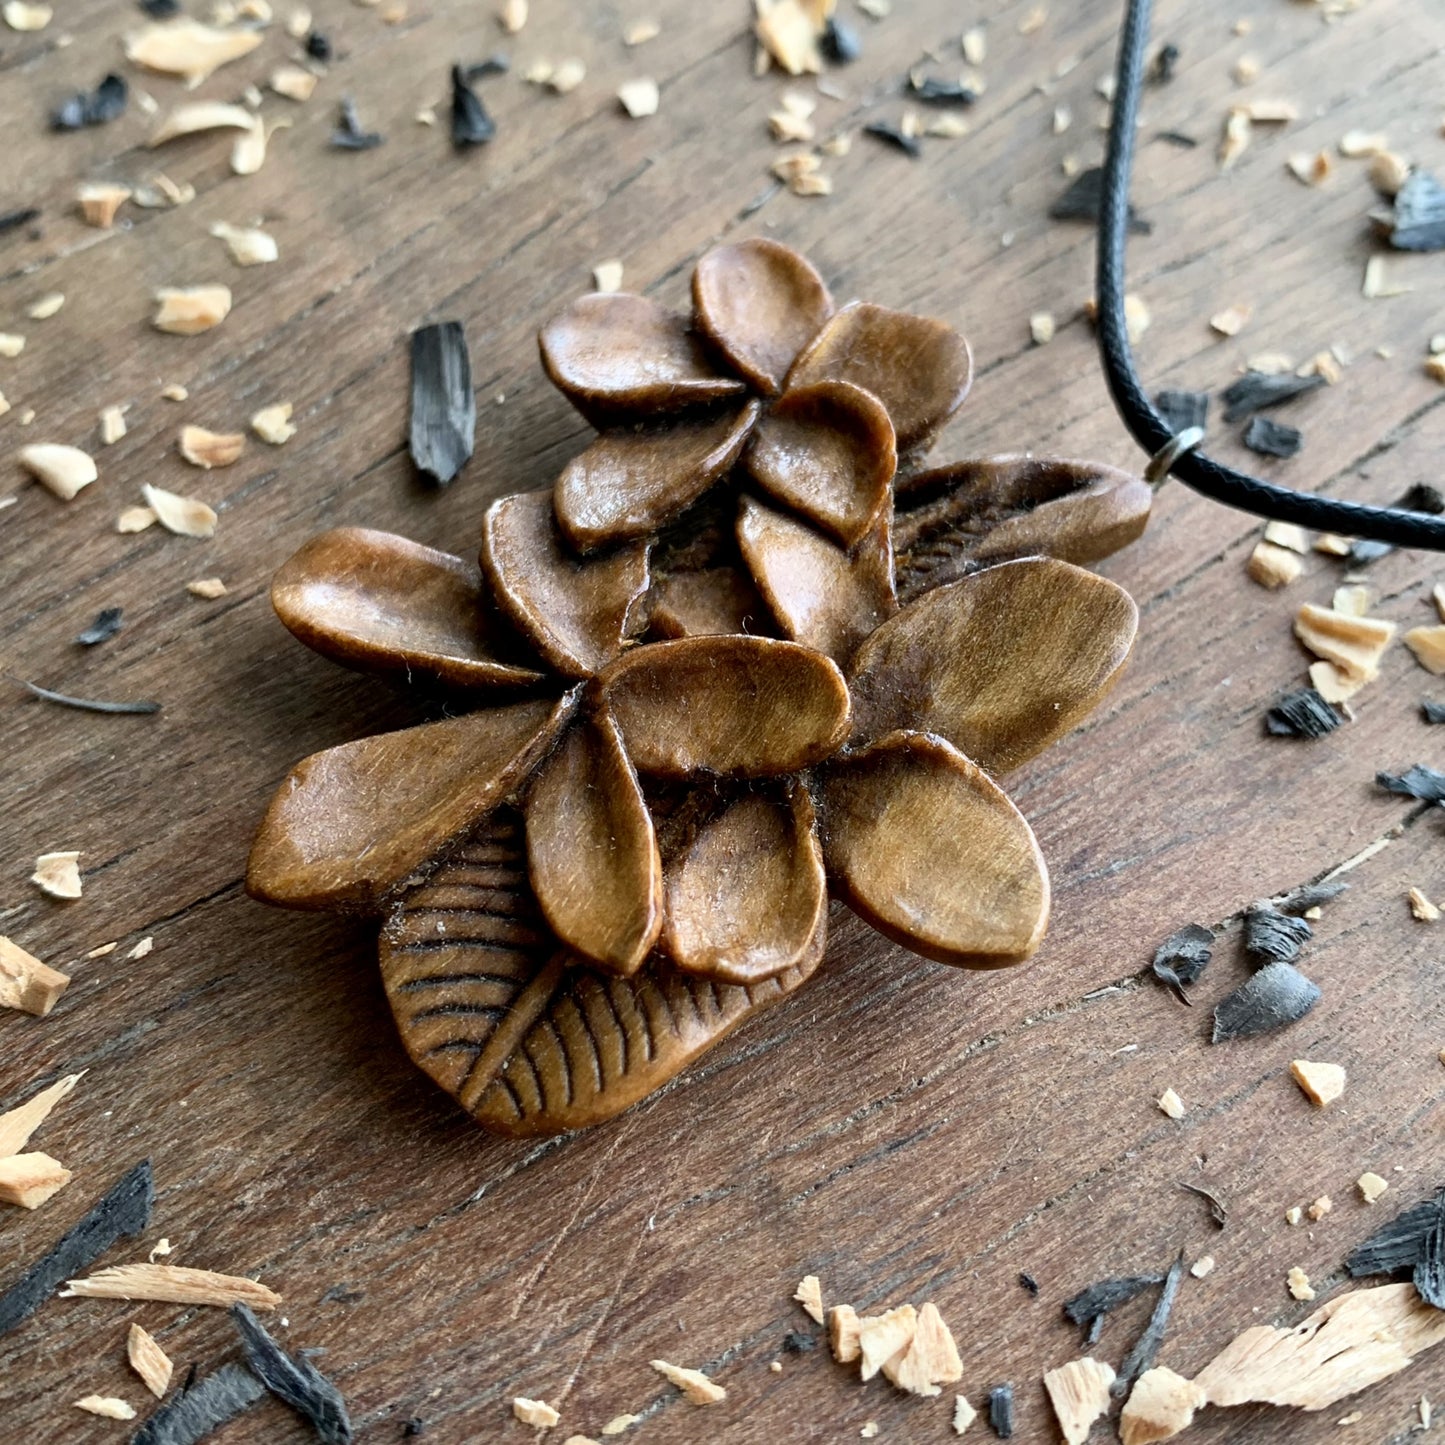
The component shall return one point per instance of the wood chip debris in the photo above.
(142, 948)
(162, 193)
(844, 1335)
(1272, 566)
(189, 310)
(1322, 1083)
(1353, 600)
(46, 306)
(1372, 1188)
(1353, 646)
(28, 1180)
(112, 425)
(207, 449)
(1170, 1103)
(640, 32)
(809, 1294)
(1202, 1266)
(1160, 1405)
(108, 1406)
(184, 516)
(619, 1423)
(248, 245)
(61, 470)
(607, 276)
(58, 874)
(172, 1284)
(1320, 1207)
(512, 15)
(294, 82)
(1298, 1283)
(1271, 112)
(188, 48)
(1041, 327)
(19, 1123)
(1427, 644)
(1312, 170)
(148, 1360)
(27, 984)
(697, 1389)
(174, 392)
(1232, 320)
(20, 16)
(273, 424)
(1377, 284)
(1388, 172)
(1361, 144)
(1079, 1393)
(202, 115)
(963, 1414)
(639, 97)
(1235, 141)
(135, 519)
(789, 33)
(930, 1359)
(210, 588)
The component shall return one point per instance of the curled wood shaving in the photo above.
(172, 1284)
(20, 16)
(208, 587)
(1322, 1083)
(135, 519)
(809, 1294)
(248, 245)
(294, 82)
(843, 1334)
(98, 201)
(248, 154)
(1160, 1405)
(187, 48)
(639, 97)
(930, 1359)
(107, 1406)
(1079, 1393)
(162, 193)
(880, 1337)
(201, 115)
(273, 424)
(1354, 645)
(1372, 1188)
(26, 983)
(1355, 1340)
(185, 516)
(58, 874)
(62, 470)
(19, 1123)
(1237, 131)
(695, 1386)
(189, 310)
(963, 1414)
(1272, 566)
(207, 449)
(1428, 646)
(30, 1179)
(535, 1412)
(148, 1360)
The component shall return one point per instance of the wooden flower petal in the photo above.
(573, 610)
(760, 303)
(618, 355)
(927, 848)
(708, 602)
(591, 850)
(1001, 663)
(918, 368)
(603, 1043)
(629, 483)
(822, 596)
(380, 603)
(350, 823)
(827, 451)
(744, 707)
(748, 899)
(954, 518)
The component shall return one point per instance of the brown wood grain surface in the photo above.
(903, 1130)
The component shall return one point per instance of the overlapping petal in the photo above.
(381, 603)
(1000, 663)
(930, 851)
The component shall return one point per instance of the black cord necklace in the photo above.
(1180, 455)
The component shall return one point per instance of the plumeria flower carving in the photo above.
(625, 841)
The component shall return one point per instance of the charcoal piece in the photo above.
(931, 91)
(107, 623)
(1277, 995)
(840, 42)
(795, 1342)
(349, 134)
(192, 1415)
(1164, 64)
(1364, 550)
(10, 220)
(413, 1427)
(1427, 784)
(1001, 1410)
(1217, 1211)
(443, 407)
(106, 103)
(1417, 220)
(1422, 497)
(1029, 1283)
(293, 1379)
(342, 1294)
(1084, 196)
(1182, 957)
(1400, 1244)
(885, 131)
(471, 125)
(1301, 714)
(1178, 138)
(1182, 409)
(1146, 1348)
(495, 64)
(161, 9)
(1433, 712)
(1256, 390)
(89, 704)
(1429, 1273)
(1273, 438)
(1310, 895)
(319, 47)
(123, 1212)
(1271, 936)
(1090, 1305)
(189, 1383)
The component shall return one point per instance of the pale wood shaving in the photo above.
(135, 519)
(1372, 1188)
(26, 983)
(20, 16)
(1322, 1083)
(1033, 20)
(1298, 1283)
(99, 201)
(185, 516)
(172, 1284)
(535, 1412)
(61, 470)
(619, 1423)
(187, 48)
(1353, 600)
(1042, 327)
(1202, 1266)
(58, 874)
(869, 1430)
(963, 1414)
(1421, 908)
(1437, 596)
(1389, 172)
(1435, 368)
(579, 1440)
(148, 1360)
(294, 82)
(298, 22)
(1287, 534)
(19, 1123)
(843, 1334)
(1294, 1215)
(880, 1337)
(1320, 1208)
(1079, 1393)
(639, 97)
(812, 184)
(201, 115)
(697, 1389)
(640, 32)
(1332, 684)
(1377, 284)
(512, 15)
(1272, 363)
(273, 424)
(1272, 566)
(930, 1360)
(108, 1406)
(248, 154)
(1160, 1405)
(162, 193)
(248, 245)
(45, 307)
(1354, 644)
(809, 1294)
(1354, 1341)
(1231, 321)
(142, 948)
(1358, 144)
(1235, 141)
(189, 310)
(30, 1179)
(162, 1248)
(789, 36)
(1428, 645)
(174, 392)
(11, 345)
(1170, 1103)
(567, 76)
(945, 127)
(1271, 112)
(975, 45)
(112, 425)
(1312, 170)
(207, 449)
(209, 588)
(1246, 70)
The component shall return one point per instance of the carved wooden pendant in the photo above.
(735, 660)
